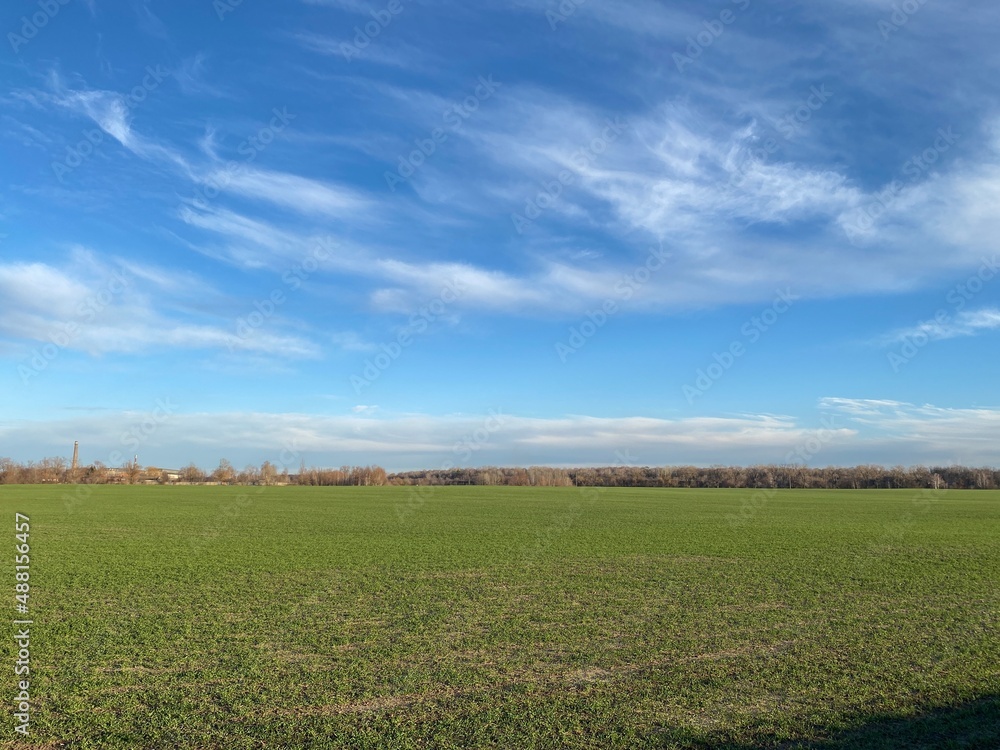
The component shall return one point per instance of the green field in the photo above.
(186, 617)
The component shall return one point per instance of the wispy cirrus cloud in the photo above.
(111, 111)
(392, 54)
(192, 76)
(734, 220)
(301, 194)
(722, 203)
(964, 323)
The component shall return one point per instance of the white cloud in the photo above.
(300, 194)
(467, 284)
(37, 287)
(253, 232)
(738, 221)
(111, 112)
(853, 431)
(928, 434)
(415, 441)
(395, 55)
(737, 224)
(965, 323)
(97, 307)
(149, 22)
(191, 77)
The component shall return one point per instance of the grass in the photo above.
(192, 617)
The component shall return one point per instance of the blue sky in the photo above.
(432, 233)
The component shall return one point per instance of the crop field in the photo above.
(473, 617)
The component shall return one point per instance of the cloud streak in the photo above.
(98, 308)
(868, 431)
(965, 323)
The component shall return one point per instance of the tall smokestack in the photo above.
(76, 455)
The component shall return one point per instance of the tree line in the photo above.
(865, 477)
(57, 470)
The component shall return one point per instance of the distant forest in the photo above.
(57, 470)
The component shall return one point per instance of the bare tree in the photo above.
(192, 473)
(132, 471)
(224, 473)
(249, 475)
(268, 474)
